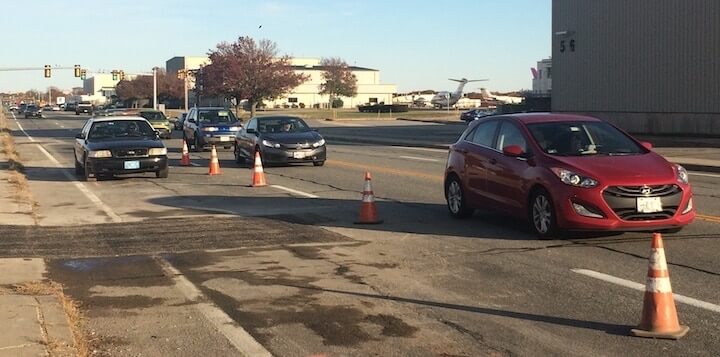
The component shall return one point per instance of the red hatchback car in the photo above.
(565, 172)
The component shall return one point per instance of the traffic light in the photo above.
(47, 71)
(77, 70)
(83, 74)
(114, 75)
(122, 75)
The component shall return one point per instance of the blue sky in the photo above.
(415, 44)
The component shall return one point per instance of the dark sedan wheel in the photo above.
(318, 163)
(163, 173)
(78, 168)
(239, 159)
(455, 196)
(542, 214)
(89, 176)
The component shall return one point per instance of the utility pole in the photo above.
(155, 106)
(185, 87)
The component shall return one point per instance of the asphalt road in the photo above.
(287, 263)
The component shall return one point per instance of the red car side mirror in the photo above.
(647, 145)
(513, 151)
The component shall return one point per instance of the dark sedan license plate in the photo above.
(132, 165)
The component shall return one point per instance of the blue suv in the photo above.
(206, 126)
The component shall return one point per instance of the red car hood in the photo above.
(647, 169)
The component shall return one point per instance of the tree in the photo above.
(168, 87)
(338, 80)
(246, 70)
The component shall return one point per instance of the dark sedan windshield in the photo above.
(582, 138)
(121, 129)
(216, 116)
(282, 125)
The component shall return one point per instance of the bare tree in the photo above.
(338, 79)
(248, 70)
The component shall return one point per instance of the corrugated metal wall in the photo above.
(637, 56)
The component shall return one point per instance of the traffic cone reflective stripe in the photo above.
(258, 175)
(368, 211)
(185, 160)
(214, 162)
(659, 317)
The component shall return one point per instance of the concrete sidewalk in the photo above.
(36, 320)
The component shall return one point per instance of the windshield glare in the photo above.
(282, 125)
(216, 117)
(153, 116)
(120, 129)
(582, 138)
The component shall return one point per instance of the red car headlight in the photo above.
(574, 179)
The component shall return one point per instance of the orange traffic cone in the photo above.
(659, 316)
(258, 175)
(214, 162)
(368, 212)
(185, 160)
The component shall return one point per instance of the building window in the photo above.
(548, 71)
(292, 100)
(373, 100)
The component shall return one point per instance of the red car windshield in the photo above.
(583, 138)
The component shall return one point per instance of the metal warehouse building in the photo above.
(649, 66)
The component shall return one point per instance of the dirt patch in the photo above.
(392, 326)
(16, 169)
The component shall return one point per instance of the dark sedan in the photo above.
(33, 111)
(280, 140)
(109, 146)
(477, 113)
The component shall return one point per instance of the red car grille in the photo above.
(622, 200)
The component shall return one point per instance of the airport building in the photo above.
(369, 88)
(542, 77)
(649, 66)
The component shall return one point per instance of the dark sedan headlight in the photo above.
(157, 151)
(271, 144)
(319, 143)
(574, 179)
(97, 154)
(682, 175)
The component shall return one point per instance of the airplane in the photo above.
(448, 99)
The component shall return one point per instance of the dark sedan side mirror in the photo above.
(191, 121)
(79, 136)
(647, 145)
(513, 151)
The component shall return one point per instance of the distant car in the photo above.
(205, 126)
(280, 140)
(84, 107)
(565, 172)
(13, 108)
(33, 111)
(21, 108)
(47, 108)
(159, 122)
(55, 108)
(477, 113)
(178, 124)
(119, 145)
(70, 106)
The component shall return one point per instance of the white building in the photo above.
(99, 88)
(542, 77)
(369, 88)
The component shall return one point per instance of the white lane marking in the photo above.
(238, 337)
(418, 158)
(420, 149)
(23, 130)
(308, 195)
(640, 287)
(694, 173)
(80, 186)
